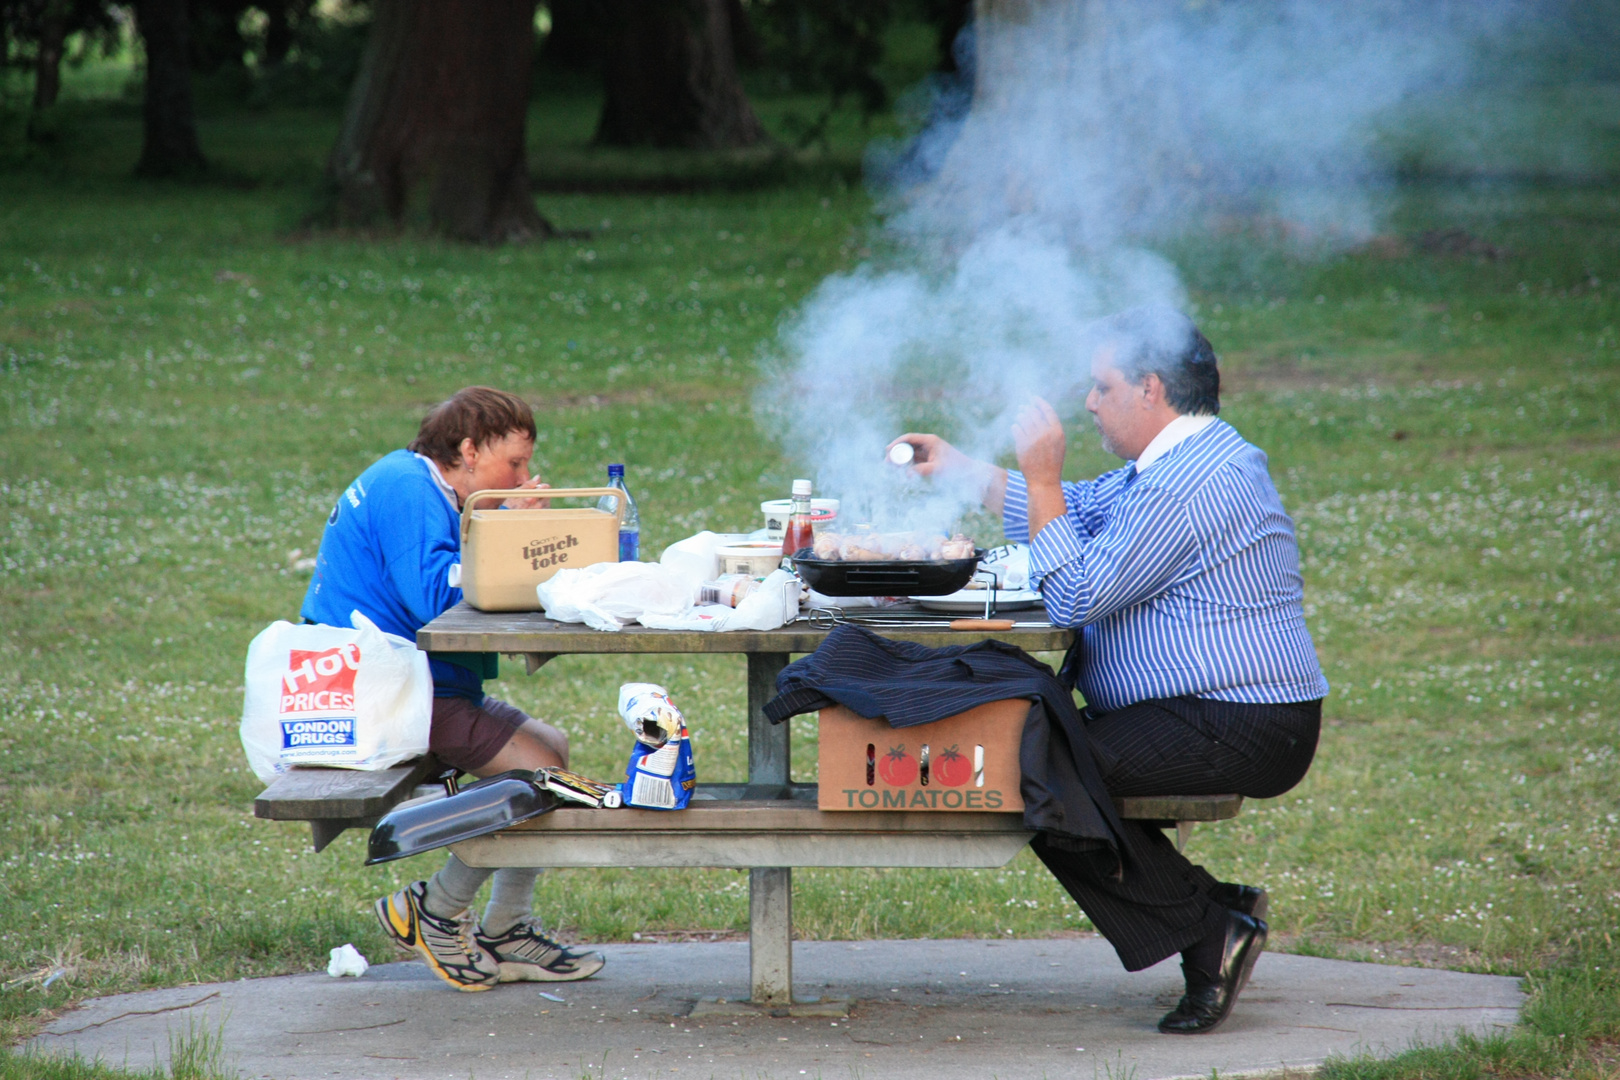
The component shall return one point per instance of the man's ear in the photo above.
(1152, 389)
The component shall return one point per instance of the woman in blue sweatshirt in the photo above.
(392, 550)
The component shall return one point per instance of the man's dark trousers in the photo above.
(1160, 904)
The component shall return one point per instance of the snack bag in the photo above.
(660, 774)
(649, 714)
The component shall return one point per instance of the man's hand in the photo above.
(936, 458)
(529, 504)
(1039, 439)
(1040, 442)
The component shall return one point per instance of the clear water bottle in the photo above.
(630, 525)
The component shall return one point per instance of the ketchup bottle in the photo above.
(799, 534)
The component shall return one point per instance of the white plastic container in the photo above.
(823, 514)
(755, 558)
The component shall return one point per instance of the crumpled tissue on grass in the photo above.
(346, 960)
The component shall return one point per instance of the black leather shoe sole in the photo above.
(1207, 1004)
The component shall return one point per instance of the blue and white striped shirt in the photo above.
(1183, 579)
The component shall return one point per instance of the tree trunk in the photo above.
(435, 121)
(671, 78)
(575, 43)
(169, 146)
(48, 60)
(747, 51)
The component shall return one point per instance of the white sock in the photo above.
(511, 898)
(451, 890)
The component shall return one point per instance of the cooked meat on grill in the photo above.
(892, 547)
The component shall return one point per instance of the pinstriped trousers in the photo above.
(1158, 903)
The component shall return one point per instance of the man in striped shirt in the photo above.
(1181, 574)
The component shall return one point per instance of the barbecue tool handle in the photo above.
(981, 624)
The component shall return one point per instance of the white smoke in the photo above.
(1098, 129)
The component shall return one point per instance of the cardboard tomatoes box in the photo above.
(964, 762)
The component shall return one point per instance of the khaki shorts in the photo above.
(466, 735)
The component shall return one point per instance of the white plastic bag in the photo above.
(325, 695)
(606, 596)
(696, 557)
(775, 603)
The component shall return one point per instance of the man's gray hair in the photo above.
(1159, 340)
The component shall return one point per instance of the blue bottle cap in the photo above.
(615, 470)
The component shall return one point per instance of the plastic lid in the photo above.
(800, 487)
(615, 470)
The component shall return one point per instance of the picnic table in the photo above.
(767, 824)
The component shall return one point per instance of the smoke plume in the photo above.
(1098, 130)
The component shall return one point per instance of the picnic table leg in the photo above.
(770, 888)
(770, 935)
(768, 752)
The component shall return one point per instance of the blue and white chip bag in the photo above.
(660, 775)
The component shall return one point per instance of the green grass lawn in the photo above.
(184, 389)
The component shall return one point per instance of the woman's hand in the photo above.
(529, 504)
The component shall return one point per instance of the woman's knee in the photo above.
(524, 750)
(553, 738)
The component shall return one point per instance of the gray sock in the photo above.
(451, 890)
(511, 898)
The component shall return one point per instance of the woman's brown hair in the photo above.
(479, 413)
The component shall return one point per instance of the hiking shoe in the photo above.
(447, 945)
(527, 955)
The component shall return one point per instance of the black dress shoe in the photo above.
(1250, 900)
(1208, 1001)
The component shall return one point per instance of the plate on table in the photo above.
(971, 601)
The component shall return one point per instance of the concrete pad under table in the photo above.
(935, 1009)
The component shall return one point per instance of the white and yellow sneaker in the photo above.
(448, 945)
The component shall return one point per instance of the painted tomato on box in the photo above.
(898, 768)
(951, 768)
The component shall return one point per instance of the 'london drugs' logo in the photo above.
(317, 699)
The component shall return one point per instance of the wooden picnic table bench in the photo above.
(767, 825)
(333, 800)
